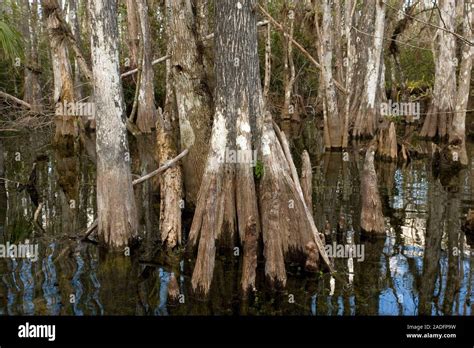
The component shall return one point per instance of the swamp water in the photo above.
(423, 265)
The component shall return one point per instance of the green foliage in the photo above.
(258, 170)
(10, 42)
(418, 67)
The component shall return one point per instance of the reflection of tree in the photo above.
(67, 169)
(367, 278)
(454, 248)
(432, 254)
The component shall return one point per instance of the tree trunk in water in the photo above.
(457, 134)
(170, 184)
(117, 216)
(387, 148)
(438, 119)
(227, 209)
(190, 96)
(146, 113)
(365, 122)
(66, 127)
(371, 219)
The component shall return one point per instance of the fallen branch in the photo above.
(161, 169)
(15, 99)
(91, 229)
(165, 166)
(297, 45)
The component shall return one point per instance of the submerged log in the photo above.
(372, 219)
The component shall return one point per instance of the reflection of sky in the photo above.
(50, 288)
(28, 287)
(164, 278)
(77, 285)
(416, 189)
(400, 295)
(398, 298)
(401, 261)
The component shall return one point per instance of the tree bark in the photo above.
(227, 211)
(334, 125)
(66, 127)
(133, 32)
(146, 112)
(190, 98)
(438, 119)
(268, 61)
(32, 87)
(365, 122)
(289, 65)
(117, 216)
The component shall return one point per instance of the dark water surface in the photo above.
(421, 266)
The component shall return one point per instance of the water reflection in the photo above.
(421, 266)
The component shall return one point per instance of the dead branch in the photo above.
(297, 45)
(15, 99)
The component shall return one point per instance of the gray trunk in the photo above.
(117, 216)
